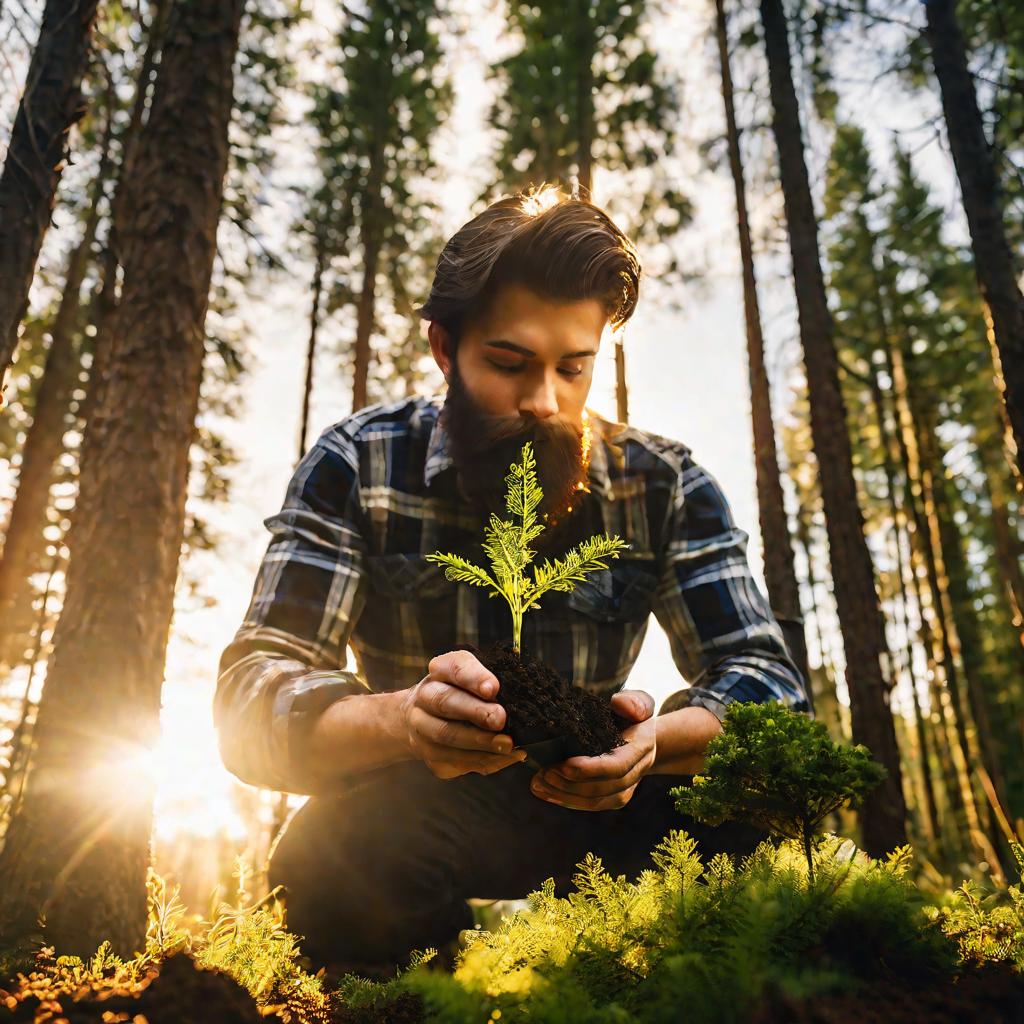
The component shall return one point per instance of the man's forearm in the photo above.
(683, 737)
(359, 733)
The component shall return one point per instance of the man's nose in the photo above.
(541, 400)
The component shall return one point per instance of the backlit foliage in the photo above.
(507, 546)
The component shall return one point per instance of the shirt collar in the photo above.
(438, 459)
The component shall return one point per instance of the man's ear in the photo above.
(440, 346)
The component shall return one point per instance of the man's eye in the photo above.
(505, 368)
(570, 372)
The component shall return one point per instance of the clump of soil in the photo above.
(178, 992)
(541, 706)
(405, 1008)
(988, 993)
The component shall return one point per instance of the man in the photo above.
(419, 800)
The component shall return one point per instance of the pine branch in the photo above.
(564, 573)
(458, 570)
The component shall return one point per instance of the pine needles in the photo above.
(507, 546)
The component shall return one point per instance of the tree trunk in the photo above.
(884, 811)
(903, 624)
(1008, 550)
(106, 302)
(50, 105)
(776, 543)
(825, 701)
(314, 327)
(78, 849)
(584, 97)
(370, 234)
(21, 738)
(982, 201)
(969, 643)
(24, 542)
(926, 535)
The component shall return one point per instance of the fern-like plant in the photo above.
(507, 546)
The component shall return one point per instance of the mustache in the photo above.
(484, 445)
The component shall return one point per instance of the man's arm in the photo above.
(283, 668)
(723, 636)
(288, 716)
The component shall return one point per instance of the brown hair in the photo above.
(557, 245)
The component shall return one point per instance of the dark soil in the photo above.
(992, 994)
(540, 705)
(180, 994)
(405, 1008)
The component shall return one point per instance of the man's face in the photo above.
(530, 356)
(522, 372)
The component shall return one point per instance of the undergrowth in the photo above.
(714, 938)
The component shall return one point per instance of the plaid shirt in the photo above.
(346, 566)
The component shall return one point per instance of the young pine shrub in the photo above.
(778, 769)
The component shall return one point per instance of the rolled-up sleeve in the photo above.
(284, 666)
(725, 641)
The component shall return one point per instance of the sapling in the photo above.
(507, 545)
(780, 770)
(546, 716)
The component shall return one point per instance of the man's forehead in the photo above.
(522, 316)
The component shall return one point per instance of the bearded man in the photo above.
(419, 801)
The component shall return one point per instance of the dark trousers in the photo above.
(387, 867)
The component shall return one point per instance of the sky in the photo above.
(687, 375)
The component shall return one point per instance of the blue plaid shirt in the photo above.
(346, 566)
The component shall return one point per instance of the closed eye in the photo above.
(519, 367)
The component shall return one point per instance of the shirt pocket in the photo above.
(622, 593)
(407, 577)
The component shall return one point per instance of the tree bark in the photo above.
(79, 848)
(370, 232)
(968, 638)
(314, 327)
(1008, 549)
(50, 105)
(777, 545)
(584, 97)
(24, 542)
(883, 817)
(982, 201)
(903, 626)
(106, 303)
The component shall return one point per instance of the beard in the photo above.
(483, 446)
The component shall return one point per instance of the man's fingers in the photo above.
(462, 669)
(555, 782)
(577, 802)
(615, 765)
(460, 735)
(635, 704)
(445, 701)
(466, 761)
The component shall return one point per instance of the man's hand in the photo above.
(607, 782)
(452, 721)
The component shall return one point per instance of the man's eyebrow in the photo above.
(511, 346)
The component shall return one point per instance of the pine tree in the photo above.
(586, 89)
(23, 542)
(983, 204)
(50, 105)
(883, 817)
(375, 118)
(78, 848)
(780, 574)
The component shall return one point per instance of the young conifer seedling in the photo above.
(507, 545)
(545, 715)
(778, 769)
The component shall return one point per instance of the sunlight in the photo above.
(544, 198)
